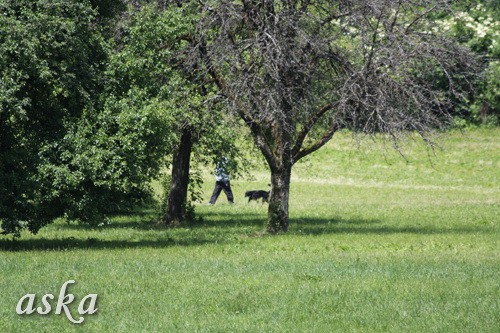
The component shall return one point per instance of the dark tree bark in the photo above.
(278, 201)
(177, 198)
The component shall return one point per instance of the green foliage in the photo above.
(84, 125)
(152, 55)
(146, 50)
(51, 58)
(475, 24)
(68, 149)
(105, 162)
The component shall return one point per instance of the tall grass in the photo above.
(377, 244)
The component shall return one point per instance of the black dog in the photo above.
(255, 195)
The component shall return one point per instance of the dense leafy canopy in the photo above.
(51, 59)
(67, 150)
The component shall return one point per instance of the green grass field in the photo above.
(377, 243)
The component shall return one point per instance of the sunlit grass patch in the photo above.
(406, 246)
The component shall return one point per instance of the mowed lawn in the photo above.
(377, 243)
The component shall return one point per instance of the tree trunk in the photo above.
(484, 112)
(278, 201)
(177, 198)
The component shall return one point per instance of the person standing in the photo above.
(222, 181)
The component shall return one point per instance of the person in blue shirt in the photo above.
(222, 181)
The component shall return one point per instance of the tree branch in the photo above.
(307, 128)
(419, 17)
(317, 145)
(256, 129)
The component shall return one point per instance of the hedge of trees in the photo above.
(97, 97)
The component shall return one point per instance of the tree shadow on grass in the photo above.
(337, 225)
(141, 219)
(217, 227)
(144, 225)
(91, 243)
(370, 226)
(231, 220)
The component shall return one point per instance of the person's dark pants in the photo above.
(219, 186)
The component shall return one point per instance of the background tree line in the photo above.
(97, 97)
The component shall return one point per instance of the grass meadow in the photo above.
(377, 243)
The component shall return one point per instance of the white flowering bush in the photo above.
(477, 26)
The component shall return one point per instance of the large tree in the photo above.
(153, 45)
(66, 148)
(50, 61)
(297, 71)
